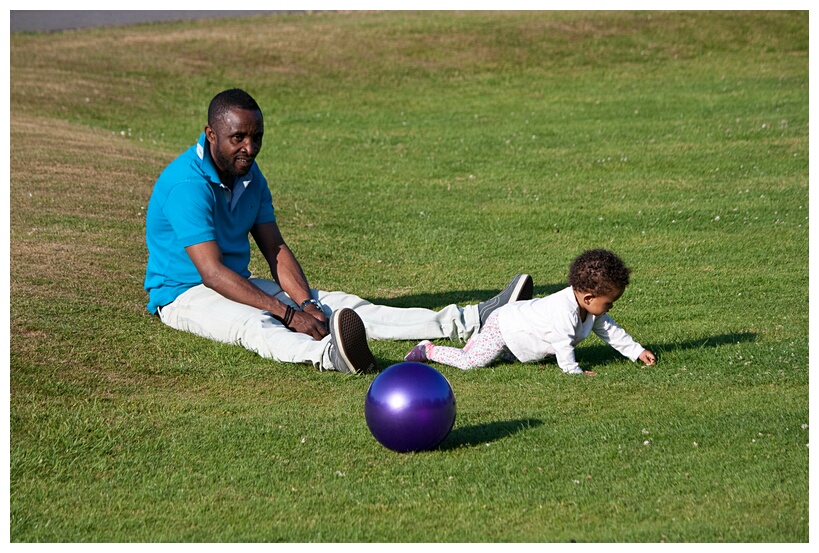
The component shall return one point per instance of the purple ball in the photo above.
(410, 407)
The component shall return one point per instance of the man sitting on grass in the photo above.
(204, 205)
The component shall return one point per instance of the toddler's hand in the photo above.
(647, 357)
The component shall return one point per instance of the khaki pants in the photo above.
(205, 313)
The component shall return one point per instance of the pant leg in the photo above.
(407, 323)
(482, 349)
(205, 313)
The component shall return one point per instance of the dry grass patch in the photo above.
(76, 226)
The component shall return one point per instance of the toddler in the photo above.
(553, 325)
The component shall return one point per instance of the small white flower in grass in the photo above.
(339, 473)
(644, 431)
(304, 440)
(647, 442)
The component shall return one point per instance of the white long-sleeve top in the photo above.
(540, 327)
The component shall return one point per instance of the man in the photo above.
(204, 205)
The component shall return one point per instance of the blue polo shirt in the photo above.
(189, 205)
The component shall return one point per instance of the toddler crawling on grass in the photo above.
(553, 325)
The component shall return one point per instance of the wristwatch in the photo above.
(309, 301)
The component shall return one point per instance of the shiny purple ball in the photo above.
(410, 407)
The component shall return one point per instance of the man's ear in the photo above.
(210, 134)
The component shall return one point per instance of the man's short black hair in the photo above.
(225, 101)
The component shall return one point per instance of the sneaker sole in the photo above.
(351, 341)
(523, 289)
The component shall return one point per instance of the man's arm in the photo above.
(207, 257)
(284, 267)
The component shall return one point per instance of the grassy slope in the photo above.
(419, 159)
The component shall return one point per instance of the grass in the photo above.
(419, 159)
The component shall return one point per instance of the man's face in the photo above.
(235, 140)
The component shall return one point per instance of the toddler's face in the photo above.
(599, 305)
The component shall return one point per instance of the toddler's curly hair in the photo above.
(598, 272)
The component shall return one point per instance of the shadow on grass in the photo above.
(709, 342)
(458, 297)
(487, 432)
(598, 353)
(592, 354)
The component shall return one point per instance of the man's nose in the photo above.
(250, 147)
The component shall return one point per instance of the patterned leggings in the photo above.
(481, 350)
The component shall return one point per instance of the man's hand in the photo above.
(312, 309)
(310, 324)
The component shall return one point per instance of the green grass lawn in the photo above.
(419, 159)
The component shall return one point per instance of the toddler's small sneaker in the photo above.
(419, 352)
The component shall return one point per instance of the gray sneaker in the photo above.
(349, 351)
(519, 289)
